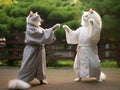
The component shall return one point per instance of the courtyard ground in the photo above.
(63, 79)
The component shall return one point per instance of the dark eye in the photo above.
(86, 15)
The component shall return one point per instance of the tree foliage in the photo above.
(52, 12)
(14, 13)
(109, 11)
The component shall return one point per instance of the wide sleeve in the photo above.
(39, 36)
(72, 36)
(95, 31)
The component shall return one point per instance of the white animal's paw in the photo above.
(56, 26)
(65, 27)
(91, 21)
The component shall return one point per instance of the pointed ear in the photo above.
(31, 13)
(36, 13)
(91, 10)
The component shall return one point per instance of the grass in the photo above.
(69, 63)
(65, 63)
(59, 63)
(109, 64)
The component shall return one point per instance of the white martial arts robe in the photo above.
(87, 63)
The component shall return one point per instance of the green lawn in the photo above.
(69, 63)
(65, 63)
(109, 64)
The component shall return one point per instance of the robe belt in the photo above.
(37, 45)
(40, 47)
(84, 46)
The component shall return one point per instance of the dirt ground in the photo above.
(63, 79)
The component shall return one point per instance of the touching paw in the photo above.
(66, 27)
(56, 26)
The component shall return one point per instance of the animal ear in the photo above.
(91, 10)
(31, 13)
(36, 13)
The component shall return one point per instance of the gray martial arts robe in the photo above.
(34, 60)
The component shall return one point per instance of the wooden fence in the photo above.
(12, 49)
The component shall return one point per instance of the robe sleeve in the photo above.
(72, 36)
(95, 31)
(38, 36)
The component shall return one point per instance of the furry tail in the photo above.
(18, 84)
(102, 77)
